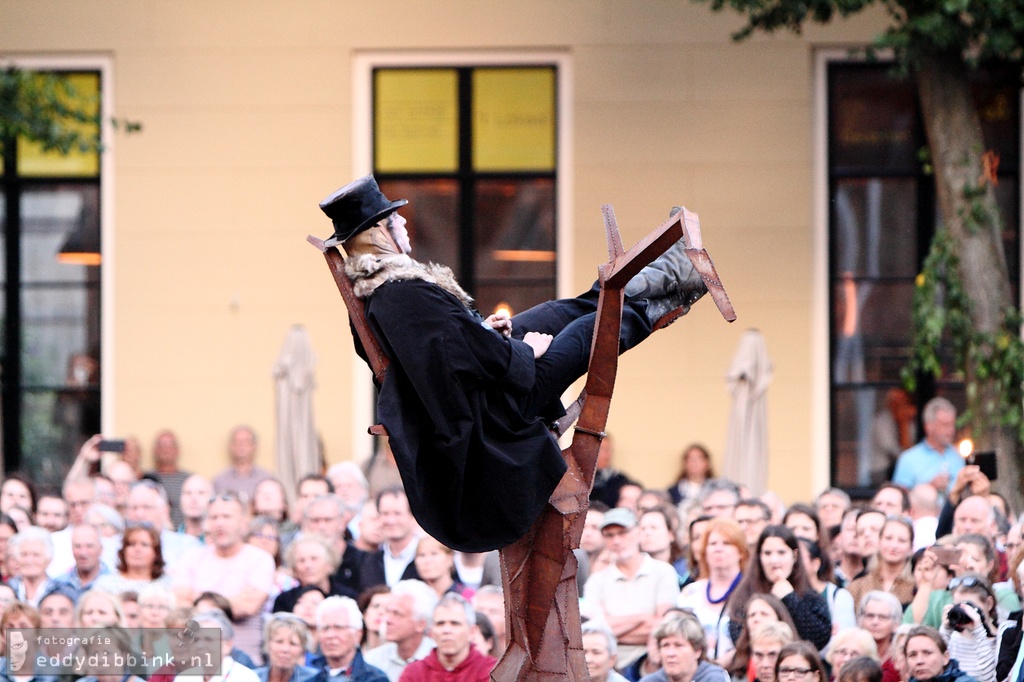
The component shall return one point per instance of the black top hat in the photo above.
(355, 207)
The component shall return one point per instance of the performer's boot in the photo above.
(669, 282)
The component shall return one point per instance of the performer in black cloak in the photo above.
(466, 400)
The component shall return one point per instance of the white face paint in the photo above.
(396, 225)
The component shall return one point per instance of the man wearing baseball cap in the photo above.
(635, 590)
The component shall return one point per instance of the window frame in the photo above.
(363, 65)
(105, 67)
(821, 406)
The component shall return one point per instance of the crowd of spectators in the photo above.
(702, 582)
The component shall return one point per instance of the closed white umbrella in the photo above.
(746, 444)
(294, 382)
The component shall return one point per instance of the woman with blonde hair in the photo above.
(98, 609)
(286, 640)
(19, 615)
(435, 564)
(889, 570)
(766, 641)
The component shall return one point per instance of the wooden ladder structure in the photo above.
(538, 572)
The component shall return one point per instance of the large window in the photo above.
(882, 217)
(50, 238)
(474, 150)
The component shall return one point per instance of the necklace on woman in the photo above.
(735, 582)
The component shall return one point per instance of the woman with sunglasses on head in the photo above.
(776, 568)
(799, 662)
(974, 554)
(969, 626)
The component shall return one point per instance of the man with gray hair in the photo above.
(87, 548)
(880, 613)
(339, 626)
(79, 492)
(683, 649)
(601, 652)
(934, 460)
(407, 617)
(831, 504)
(454, 659)
(719, 497)
(148, 503)
(229, 566)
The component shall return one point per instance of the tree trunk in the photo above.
(955, 139)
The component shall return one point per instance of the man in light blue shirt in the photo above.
(934, 460)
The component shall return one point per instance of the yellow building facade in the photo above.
(254, 111)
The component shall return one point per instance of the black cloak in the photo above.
(477, 472)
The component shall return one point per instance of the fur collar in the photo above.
(369, 271)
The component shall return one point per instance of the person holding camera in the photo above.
(972, 553)
(969, 626)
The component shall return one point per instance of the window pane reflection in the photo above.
(54, 332)
(874, 227)
(515, 245)
(874, 121)
(56, 422)
(49, 217)
(871, 328)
